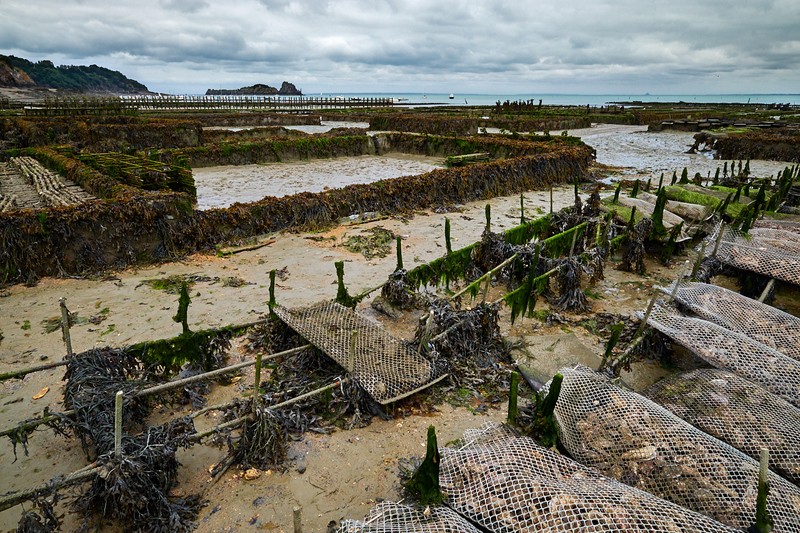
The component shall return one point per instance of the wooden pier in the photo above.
(112, 105)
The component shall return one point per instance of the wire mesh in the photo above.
(383, 365)
(729, 350)
(632, 439)
(777, 238)
(508, 483)
(731, 310)
(390, 517)
(756, 254)
(735, 411)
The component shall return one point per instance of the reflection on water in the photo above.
(646, 154)
(223, 186)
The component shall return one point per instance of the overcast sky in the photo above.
(430, 46)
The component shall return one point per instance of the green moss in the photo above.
(680, 194)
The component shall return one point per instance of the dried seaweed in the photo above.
(466, 341)
(134, 488)
(399, 292)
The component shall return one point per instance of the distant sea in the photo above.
(571, 99)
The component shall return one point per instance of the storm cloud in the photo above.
(571, 46)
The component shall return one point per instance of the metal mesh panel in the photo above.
(383, 365)
(759, 321)
(756, 255)
(792, 225)
(390, 517)
(508, 483)
(738, 412)
(777, 238)
(630, 438)
(729, 350)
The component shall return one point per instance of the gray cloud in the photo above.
(588, 46)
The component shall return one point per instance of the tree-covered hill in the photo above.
(77, 78)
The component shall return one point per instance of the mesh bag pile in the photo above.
(390, 517)
(731, 310)
(729, 350)
(759, 253)
(505, 482)
(630, 438)
(736, 411)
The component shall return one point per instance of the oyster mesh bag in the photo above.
(758, 253)
(630, 438)
(390, 517)
(731, 310)
(729, 350)
(505, 482)
(777, 238)
(738, 412)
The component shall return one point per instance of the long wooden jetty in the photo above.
(114, 105)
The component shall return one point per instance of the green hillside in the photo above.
(77, 78)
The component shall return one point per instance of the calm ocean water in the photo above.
(572, 99)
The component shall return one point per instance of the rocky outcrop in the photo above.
(259, 89)
(14, 77)
(289, 89)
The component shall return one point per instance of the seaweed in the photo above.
(634, 247)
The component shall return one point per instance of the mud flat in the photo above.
(225, 185)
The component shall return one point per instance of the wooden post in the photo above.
(65, 325)
(257, 384)
(551, 199)
(118, 425)
(767, 290)
(297, 519)
(512, 398)
(763, 522)
(699, 261)
(719, 240)
(351, 358)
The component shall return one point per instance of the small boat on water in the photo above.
(451, 96)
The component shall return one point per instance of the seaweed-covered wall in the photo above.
(100, 134)
(252, 118)
(158, 226)
(770, 145)
(250, 151)
(430, 124)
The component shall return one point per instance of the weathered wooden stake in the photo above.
(767, 290)
(399, 254)
(512, 398)
(272, 303)
(351, 358)
(551, 199)
(763, 523)
(65, 325)
(521, 209)
(699, 261)
(297, 518)
(719, 240)
(118, 425)
(448, 246)
(257, 385)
